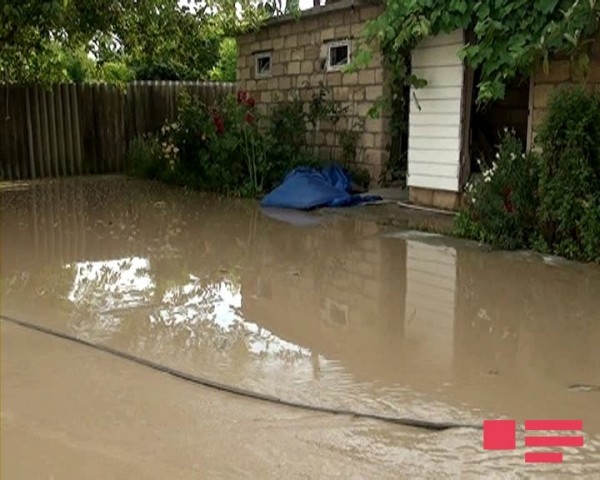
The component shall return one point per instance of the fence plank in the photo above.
(45, 132)
(5, 134)
(4, 154)
(51, 118)
(30, 142)
(121, 99)
(37, 125)
(17, 155)
(114, 101)
(75, 129)
(87, 124)
(66, 102)
(60, 130)
(19, 106)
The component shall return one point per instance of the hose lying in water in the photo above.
(409, 422)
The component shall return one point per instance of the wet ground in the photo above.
(316, 308)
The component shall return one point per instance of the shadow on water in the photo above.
(329, 312)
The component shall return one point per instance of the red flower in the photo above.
(219, 123)
(242, 96)
(249, 118)
(508, 205)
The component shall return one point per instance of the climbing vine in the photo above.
(507, 37)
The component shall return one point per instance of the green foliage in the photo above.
(570, 171)
(505, 39)
(79, 66)
(360, 175)
(394, 104)
(349, 143)
(225, 69)
(31, 29)
(273, 8)
(223, 148)
(501, 205)
(166, 40)
(547, 201)
(75, 65)
(207, 147)
(158, 39)
(287, 127)
(230, 147)
(322, 107)
(145, 158)
(509, 36)
(116, 72)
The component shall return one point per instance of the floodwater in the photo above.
(316, 309)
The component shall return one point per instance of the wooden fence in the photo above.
(80, 129)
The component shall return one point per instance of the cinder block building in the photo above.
(446, 133)
(290, 55)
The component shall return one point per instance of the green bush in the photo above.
(230, 147)
(286, 129)
(501, 205)
(549, 201)
(225, 69)
(145, 158)
(79, 66)
(570, 173)
(204, 146)
(116, 72)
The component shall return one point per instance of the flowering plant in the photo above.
(230, 146)
(170, 150)
(500, 205)
(216, 148)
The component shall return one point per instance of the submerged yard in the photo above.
(326, 310)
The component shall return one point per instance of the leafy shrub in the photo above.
(231, 148)
(501, 205)
(145, 158)
(570, 172)
(548, 201)
(116, 72)
(287, 129)
(361, 176)
(225, 69)
(79, 66)
(207, 145)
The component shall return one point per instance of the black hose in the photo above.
(409, 422)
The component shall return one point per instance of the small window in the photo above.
(338, 55)
(263, 64)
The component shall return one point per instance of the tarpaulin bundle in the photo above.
(307, 188)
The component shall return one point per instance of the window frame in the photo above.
(336, 44)
(258, 56)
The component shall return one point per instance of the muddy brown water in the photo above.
(311, 308)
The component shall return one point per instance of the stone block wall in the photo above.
(560, 72)
(299, 54)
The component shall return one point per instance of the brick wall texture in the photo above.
(298, 49)
(561, 72)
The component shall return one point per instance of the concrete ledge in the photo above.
(428, 197)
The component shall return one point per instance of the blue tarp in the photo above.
(306, 188)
